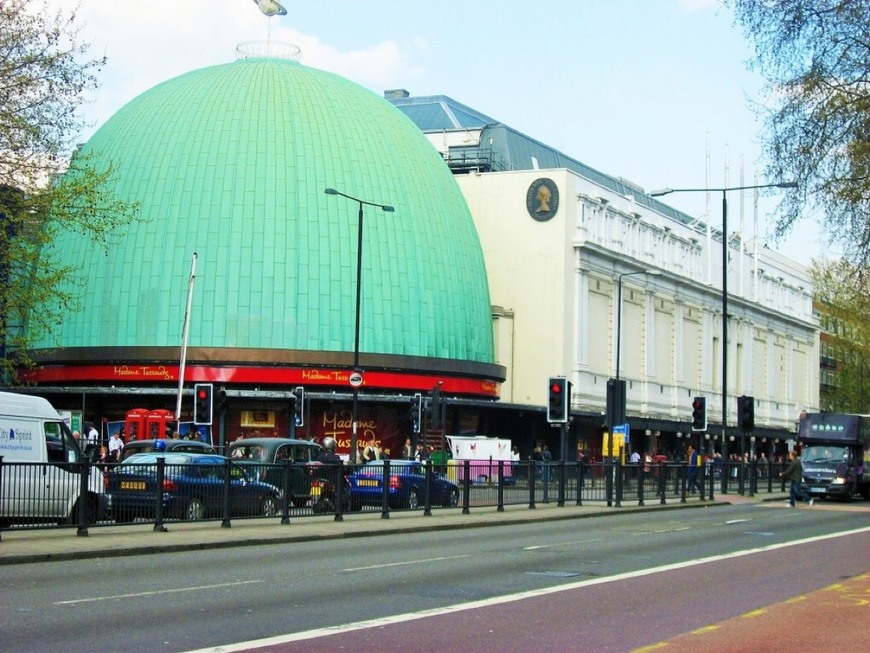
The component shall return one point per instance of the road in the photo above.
(534, 586)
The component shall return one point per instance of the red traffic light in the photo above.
(556, 388)
(202, 394)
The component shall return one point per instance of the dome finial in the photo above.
(273, 49)
(271, 7)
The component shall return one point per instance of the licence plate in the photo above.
(817, 490)
(367, 483)
(132, 485)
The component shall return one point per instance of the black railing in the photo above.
(44, 495)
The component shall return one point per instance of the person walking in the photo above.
(794, 473)
(692, 471)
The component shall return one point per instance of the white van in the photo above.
(40, 474)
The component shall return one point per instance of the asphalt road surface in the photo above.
(616, 583)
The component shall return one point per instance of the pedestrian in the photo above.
(421, 453)
(692, 471)
(93, 438)
(115, 446)
(370, 453)
(546, 461)
(794, 473)
(102, 461)
(408, 450)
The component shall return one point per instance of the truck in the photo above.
(484, 454)
(835, 451)
(41, 466)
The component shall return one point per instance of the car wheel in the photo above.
(413, 499)
(269, 507)
(195, 510)
(452, 499)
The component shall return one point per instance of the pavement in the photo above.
(29, 545)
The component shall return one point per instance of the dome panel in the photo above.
(231, 162)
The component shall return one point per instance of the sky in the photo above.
(655, 91)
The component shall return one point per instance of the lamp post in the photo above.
(359, 246)
(616, 387)
(724, 191)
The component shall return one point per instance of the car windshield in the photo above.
(818, 454)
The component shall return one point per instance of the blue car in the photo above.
(406, 485)
(193, 488)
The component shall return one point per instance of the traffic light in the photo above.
(699, 414)
(416, 412)
(202, 403)
(434, 412)
(299, 405)
(616, 402)
(746, 413)
(558, 400)
(222, 401)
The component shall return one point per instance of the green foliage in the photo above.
(815, 56)
(44, 78)
(842, 292)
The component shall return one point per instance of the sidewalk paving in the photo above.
(26, 545)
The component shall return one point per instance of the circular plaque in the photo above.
(542, 199)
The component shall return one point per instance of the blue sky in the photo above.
(641, 89)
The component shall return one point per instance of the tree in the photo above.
(842, 301)
(815, 57)
(44, 77)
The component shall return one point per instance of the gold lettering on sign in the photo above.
(142, 372)
(327, 376)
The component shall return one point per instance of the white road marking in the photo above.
(535, 547)
(663, 530)
(406, 562)
(509, 598)
(114, 597)
(735, 521)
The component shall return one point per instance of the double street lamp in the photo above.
(724, 191)
(615, 387)
(359, 247)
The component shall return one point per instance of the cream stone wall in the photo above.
(554, 286)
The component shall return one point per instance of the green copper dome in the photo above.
(230, 162)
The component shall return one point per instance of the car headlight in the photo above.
(839, 480)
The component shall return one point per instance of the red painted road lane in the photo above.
(653, 612)
(832, 619)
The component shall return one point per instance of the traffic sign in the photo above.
(356, 379)
(624, 430)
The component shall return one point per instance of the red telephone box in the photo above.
(144, 424)
(134, 424)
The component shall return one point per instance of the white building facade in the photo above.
(555, 268)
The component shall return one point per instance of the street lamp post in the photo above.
(359, 245)
(615, 387)
(724, 191)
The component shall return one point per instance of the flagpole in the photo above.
(184, 332)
